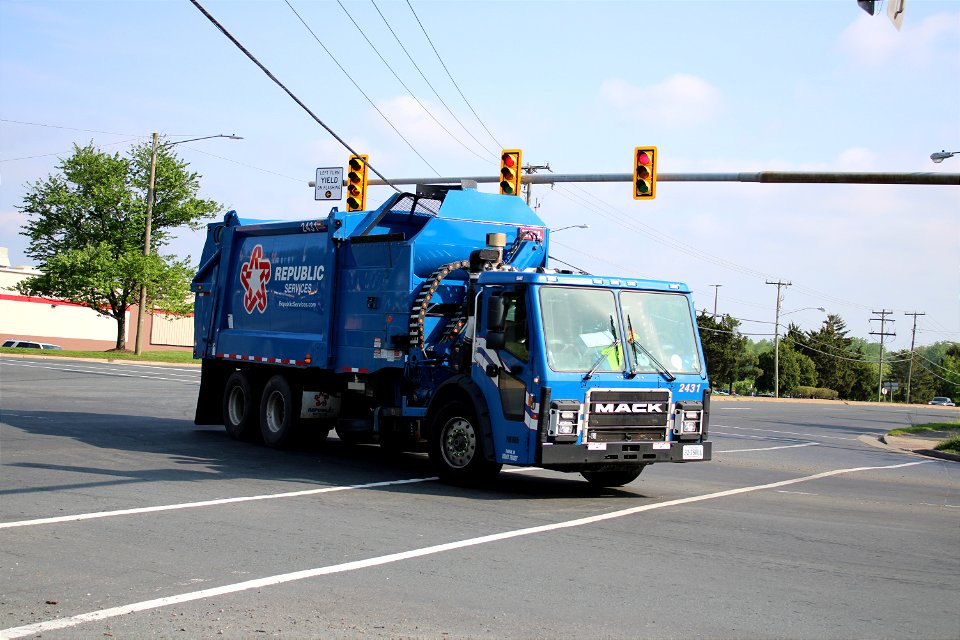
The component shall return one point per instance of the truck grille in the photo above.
(625, 416)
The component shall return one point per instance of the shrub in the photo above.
(817, 393)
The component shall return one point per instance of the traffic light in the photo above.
(510, 172)
(644, 173)
(357, 183)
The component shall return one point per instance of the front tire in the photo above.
(613, 477)
(456, 446)
(241, 407)
(279, 412)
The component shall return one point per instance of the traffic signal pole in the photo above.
(769, 177)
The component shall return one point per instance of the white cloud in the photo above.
(681, 99)
(874, 40)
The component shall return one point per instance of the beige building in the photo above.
(74, 326)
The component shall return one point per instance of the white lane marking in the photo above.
(792, 433)
(948, 506)
(109, 372)
(259, 583)
(736, 408)
(786, 446)
(799, 493)
(205, 503)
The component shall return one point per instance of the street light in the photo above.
(572, 226)
(146, 232)
(940, 156)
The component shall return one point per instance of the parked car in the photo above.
(30, 344)
(942, 401)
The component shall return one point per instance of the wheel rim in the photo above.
(275, 412)
(236, 404)
(459, 442)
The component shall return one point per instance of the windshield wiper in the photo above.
(605, 351)
(662, 370)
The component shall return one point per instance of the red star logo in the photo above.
(254, 276)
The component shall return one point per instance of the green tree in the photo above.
(948, 373)
(923, 385)
(839, 360)
(796, 370)
(723, 347)
(86, 228)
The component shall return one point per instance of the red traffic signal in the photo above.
(510, 161)
(644, 173)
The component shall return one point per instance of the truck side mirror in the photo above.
(496, 314)
(496, 318)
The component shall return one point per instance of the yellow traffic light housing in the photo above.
(357, 183)
(510, 161)
(644, 173)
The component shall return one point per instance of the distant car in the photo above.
(29, 344)
(942, 401)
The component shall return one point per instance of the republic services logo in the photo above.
(254, 276)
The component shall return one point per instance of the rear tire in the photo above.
(456, 446)
(241, 407)
(279, 412)
(615, 477)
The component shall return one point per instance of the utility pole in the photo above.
(913, 337)
(882, 333)
(530, 169)
(776, 339)
(716, 289)
(141, 306)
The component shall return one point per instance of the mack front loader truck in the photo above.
(434, 323)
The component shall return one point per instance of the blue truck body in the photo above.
(434, 322)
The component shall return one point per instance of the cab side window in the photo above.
(515, 326)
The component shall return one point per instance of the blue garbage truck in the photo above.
(434, 323)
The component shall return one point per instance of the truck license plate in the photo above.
(693, 452)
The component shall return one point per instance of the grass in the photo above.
(950, 445)
(930, 426)
(176, 357)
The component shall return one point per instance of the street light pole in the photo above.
(716, 290)
(151, 186)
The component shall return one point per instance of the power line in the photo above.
(422, 75)
(362, 92)
(270, 75)
(449, 75)
(403, 84)
(56, 126)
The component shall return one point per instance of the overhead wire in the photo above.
(449, 75)
(362, 92)
(293, 96)
(404, 85)
(429, 84)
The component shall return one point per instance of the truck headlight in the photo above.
(688, 422)
(564, 423)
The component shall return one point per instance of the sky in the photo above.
(716, 86)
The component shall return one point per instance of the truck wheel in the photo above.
(279, 412)
(241, 413)
(615, 477)
(456, 446)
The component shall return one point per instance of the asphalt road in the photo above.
(119, 517)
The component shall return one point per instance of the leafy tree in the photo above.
(796, 370)
(724, 348)
(839, 360)
(86, 228)
(923, 385)
(948, 372)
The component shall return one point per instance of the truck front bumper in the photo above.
(606, 453)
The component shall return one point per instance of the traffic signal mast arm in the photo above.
(795, 177)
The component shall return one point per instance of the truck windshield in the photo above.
(578, 332)
(663, 325)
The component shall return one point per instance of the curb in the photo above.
(918, 446)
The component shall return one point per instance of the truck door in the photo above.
(515, 426)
